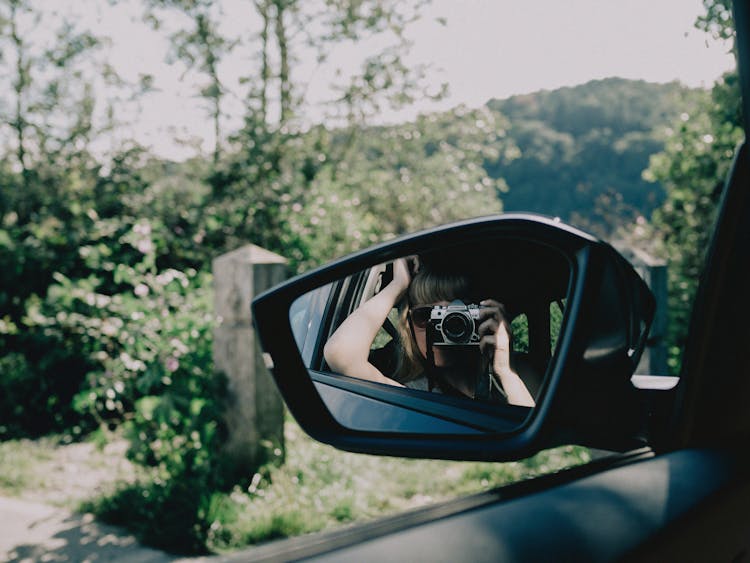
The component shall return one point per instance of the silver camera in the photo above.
(455, 324)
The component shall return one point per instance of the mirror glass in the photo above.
(454, 340)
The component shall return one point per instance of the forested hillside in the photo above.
(585, 148)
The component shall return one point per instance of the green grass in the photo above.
(317, 488)
(57, 471)
(23, 464)
(321, 488)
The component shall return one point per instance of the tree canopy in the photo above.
(586, 145)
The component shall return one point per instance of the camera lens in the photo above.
(457, 327)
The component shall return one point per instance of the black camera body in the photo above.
(455, 324)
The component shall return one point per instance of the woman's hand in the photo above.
(403, 269)
(494, 342)
(494, 334)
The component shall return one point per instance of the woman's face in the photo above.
(420, 319)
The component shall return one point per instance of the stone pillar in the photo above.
(255, 410)
(654, 359)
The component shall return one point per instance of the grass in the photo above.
(55, 471)
(22, 464)
(320, 488)
(317, 488)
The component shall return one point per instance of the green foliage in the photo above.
(693, 167)
(151, 371)
(519, 328)
(150, 355)
(371, 185)
(615, 104)
(318, 194)
(66, 254)
(174, 515)
(320, 488)
(583, 150)
(717, 20)
(18, 382)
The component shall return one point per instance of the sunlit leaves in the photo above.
(693, 166)
(717, 19)
(382, 182)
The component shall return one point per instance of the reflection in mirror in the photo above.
(473, 326)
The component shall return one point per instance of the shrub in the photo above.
(175, 515)
(150, 370)
(37, 395)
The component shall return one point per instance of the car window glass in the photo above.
(520, 330)
(556, 310)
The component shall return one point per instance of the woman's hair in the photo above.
(426, 287)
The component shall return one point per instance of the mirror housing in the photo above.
(587, 398)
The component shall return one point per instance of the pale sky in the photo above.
(487, 49)
(499, 48)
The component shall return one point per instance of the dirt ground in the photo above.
(38, 521)
(39, 524)
(33, 531)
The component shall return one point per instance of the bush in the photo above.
(175, 515)
(37, 396)
(150, 370)
(77, 228)
(17, 382)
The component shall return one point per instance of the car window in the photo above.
(520, 328)
(556, 311)
(307, 316)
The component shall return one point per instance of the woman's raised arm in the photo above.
(348, 349)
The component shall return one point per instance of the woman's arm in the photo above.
(348, 348)
(494, 331)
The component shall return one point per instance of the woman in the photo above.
(492, 373)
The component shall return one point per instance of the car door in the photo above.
(684, 498)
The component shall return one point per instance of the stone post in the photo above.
(255, 410)
(654, 359)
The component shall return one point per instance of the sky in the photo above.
(498, 48)
(485, 49)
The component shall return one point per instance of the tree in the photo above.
(717, 20)
(20, 85)
(290, 27)
(46, 121)
(585, 147)
(50, 106)
(200, 48)
(692, 167)
(399, 179)
(274, 164)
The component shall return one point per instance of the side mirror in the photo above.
(488, 339)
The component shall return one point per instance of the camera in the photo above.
(455, 324)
